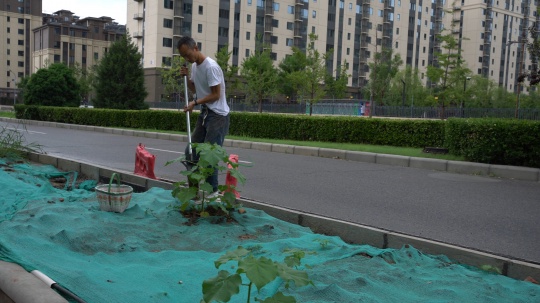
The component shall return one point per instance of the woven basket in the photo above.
(114, 197)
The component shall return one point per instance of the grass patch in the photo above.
(13, 145)
(7, 114)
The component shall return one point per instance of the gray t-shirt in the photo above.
(206, 75)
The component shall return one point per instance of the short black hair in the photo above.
(188, 41)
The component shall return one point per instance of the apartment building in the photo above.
(17, 19)
(65, 38)
(489, 32)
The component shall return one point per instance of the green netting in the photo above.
(148, 253)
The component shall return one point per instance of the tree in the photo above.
(309, 81)
(86, 78)
(415, 92)
(170, 75)
(52, 86)
(383, 68)
(534, 51)
(230, 72)
(337, 87)
(296, 62)
(260, 76)
(120, 77)
(450, 72)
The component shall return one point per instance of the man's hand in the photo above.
(189, 107)
(184, 71)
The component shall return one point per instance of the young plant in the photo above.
(259, 271)
(211, 156)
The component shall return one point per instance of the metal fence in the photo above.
(354, 108)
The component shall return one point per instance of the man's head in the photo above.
(188, 49)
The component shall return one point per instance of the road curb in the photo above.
(461, 167)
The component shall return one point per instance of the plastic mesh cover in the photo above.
(148, 254)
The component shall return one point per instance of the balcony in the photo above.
(138, 16)
(137, 35)
(457, 8)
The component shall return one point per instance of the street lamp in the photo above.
(463, 99)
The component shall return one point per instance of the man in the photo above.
(207, 81)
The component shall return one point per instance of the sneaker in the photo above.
(213, 196)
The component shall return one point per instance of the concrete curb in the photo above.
(349, 232)
(19, 286)
(461, 167)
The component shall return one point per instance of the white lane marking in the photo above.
(28, 131)
(177, 152)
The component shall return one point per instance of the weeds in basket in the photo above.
(211, 156)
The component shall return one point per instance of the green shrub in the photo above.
(495, 141)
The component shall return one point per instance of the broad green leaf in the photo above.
(260, 271)
(279, 297)
(234, 255)
(222, 287)
(299, 277)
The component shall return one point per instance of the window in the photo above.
(249, 4)
(167, 23)
(348, 51)
(224, 13)
(8, 30)
(248, 18)
(274, 40)
(166, 61)
(260, 3)
(21, 42)
(223, 31)
(85, 34)
(96, 56)
(21, 53)
(56, 58)
(84, 47)
(72, 46)
(290, 26)
(236, 34)
(21, 21)
(200, 9)
(275, 23)
(168, 4)
(20, 63)
(167, 42)
(8, 62)
(235, 51)
(247, 52)
(289, 42)
(290, 9)
(276, 7)
(348, 36)
(199, 28)
(314, 14)
(248, 35)
(396, 44)
(20, 31)
(187, 8)
(96, 29)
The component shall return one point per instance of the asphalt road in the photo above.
(493, 215)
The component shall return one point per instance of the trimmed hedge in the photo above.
(494, 141)
(393, 132)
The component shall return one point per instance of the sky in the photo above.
(116, 9)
